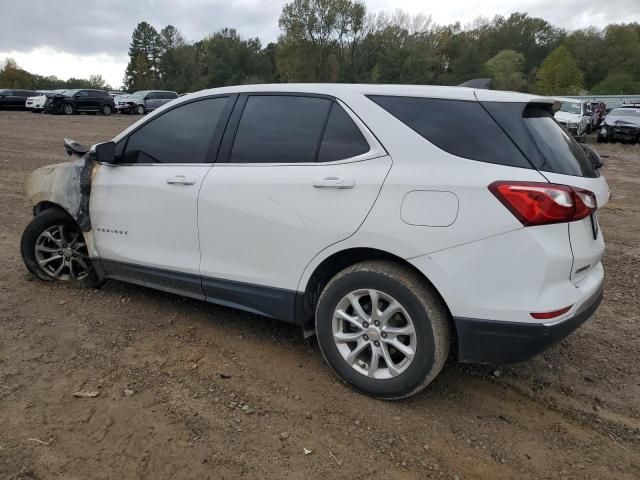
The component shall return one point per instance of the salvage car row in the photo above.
(73, 101)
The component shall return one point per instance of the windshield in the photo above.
(141, 94)
(625, 112)
(570, 107)
(70, 93)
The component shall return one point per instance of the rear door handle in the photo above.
(334, 182)
(180, 180)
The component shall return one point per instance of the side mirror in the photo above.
(596, 159)
(104, 152)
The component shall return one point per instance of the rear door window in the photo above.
(342, 138)
(181, 135)
(459, 127)
(280, 129)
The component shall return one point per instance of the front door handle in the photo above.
(334, 182)
(180, 180)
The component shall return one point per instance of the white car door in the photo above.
(295, 174)
(144, 208)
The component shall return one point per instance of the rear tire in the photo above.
(358, 344)
(57, 256)
(106, 110)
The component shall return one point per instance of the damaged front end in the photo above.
(68, 185)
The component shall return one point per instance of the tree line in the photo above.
(12, 76)
(340, 41)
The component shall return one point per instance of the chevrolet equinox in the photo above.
(396, 222)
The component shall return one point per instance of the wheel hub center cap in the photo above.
(67, 252)
(374, 333)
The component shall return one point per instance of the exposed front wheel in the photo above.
(140, 110)
(107, 110)
(68, 109)
(53, 248)
(383, 329)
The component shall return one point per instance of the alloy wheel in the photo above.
(62, 253)
(374, 334)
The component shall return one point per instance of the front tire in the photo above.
(140, 110)
(383, 329)
(53, 248)
(68, 109)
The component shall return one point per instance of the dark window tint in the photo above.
(545, 143)
(280, 129)
(459, 127)
(82, 93)
(168, 95)
(342, 138)
(181, 135)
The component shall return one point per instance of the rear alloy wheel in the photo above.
(68, 109)
(374, 333)
(53, 248)
(140, 110)
(107, 110)
(383, 329)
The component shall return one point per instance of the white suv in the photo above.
(390, 220)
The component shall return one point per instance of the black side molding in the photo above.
(490, 341)
(272, 302)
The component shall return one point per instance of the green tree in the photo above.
(96, 81)
(142, 72)
(12, 76)
(559, 74)
(589, 49)
(505, 69)
(617, 83)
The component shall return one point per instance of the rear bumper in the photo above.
(489, 341)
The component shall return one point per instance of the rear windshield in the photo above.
(544, 142)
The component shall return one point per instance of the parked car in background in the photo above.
(121, 103)
(146, 101)
(87, 100)
(621, 124)
(599, 110)
(36, 104)
(369, 214)
(573, 114)
(14, 99)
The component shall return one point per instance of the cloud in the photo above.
(99, 27)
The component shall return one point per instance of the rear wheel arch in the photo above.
(337, 262)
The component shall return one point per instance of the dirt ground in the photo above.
(165, 408)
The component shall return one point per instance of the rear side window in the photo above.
(181, 135)
(545, 143)
(280, 129)
(459, 127)
(342, 138)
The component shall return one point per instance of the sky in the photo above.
(78, 38)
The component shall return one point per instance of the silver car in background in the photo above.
(144, 101)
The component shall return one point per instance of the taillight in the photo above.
(535, 203)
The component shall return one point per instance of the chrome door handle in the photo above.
(180, 180)
(334, 182)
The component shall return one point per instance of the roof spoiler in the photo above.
(481, 83)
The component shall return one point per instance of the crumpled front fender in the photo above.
(66, 184)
